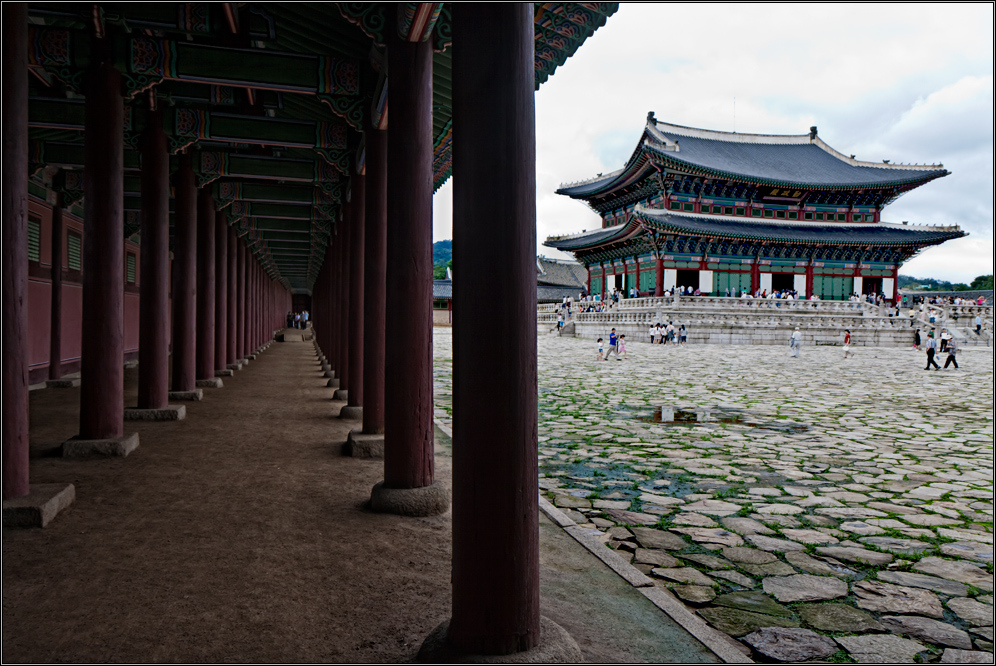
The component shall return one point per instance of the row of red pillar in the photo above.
(224, 304)
(372, 305)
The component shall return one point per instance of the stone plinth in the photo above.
(341, 394)
(330, 374)
(43, 502)
(428, 500)
(100, 448)
(214, 382)
(195, 395)
(63, 383)
(333, 383)
(167, 413)
(352, 413)
(234, 366)
(227, 372)
(359, 445)
(555, 647)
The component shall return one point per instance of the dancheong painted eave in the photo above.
(803, 161)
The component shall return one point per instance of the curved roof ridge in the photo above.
(877, 165)
(733, 137)
(593, 179)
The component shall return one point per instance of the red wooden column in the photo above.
(335, 291)
(185, 279)
(240, 301)
(153, 344)
(496, 562)
(231, 327)
(354, 345)
(809, 278)
(408, 485)
(342, 349)
(15, 250)
(221, 292)
(206, 284)
(659, 288)
(102, 349)
(374, 282)
(55, 329)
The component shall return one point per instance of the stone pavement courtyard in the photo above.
(812, 507)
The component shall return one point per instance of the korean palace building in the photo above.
(722, 211)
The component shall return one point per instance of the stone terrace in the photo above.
(812, 507)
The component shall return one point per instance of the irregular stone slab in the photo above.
(631, 517)
(755, 602)
(953, 656)
(611, 504)
(749, 555)
(773, 545)
(894, 508)
(660, 500)
(710, 561)
(788, 644)
(808, 536)
(780, 509)
(740, 623)
(815, 566)
(651, 538)
(894, 545)
(837, 617)
(963, 572)
(734, 577)
(972, 612)
(881, 649)
(710, 535)
(985, 632)
(980, 552)
(657, 558)
(620, 533)
(930, 520)
(570, 502)
(695, 594)
(712, 507)
(932, 631)
(694, 519)
(804, 587)
(932, 583)
(683, 575)
(855, 555)
(886, 598)
(858, 527)
(850, 512)
(775, 519)
(773, 569)
(745, 526)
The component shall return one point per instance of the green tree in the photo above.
(982, 282)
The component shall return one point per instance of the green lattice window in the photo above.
(74, 250)
(130, 265)
(34, 239)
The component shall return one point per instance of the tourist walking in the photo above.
(916, 339)
(795, 342)
(952, 351)
(978, 324)
(682, 336)
(599, 350)
(931, 350)
(847, 343)
(622, 347)
(653, 332)
(945, 338)
(613, 345)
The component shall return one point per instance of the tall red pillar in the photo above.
(206, 284)
(495, 563)
(15, 250)
(221, 291)
(354, 346)
(55, 329)
(342, 349)
(153, 343)
(659, 287)
(409, 487)
(102, 349)
(185, 278)
(240, 300)
(374, 282)
(231, 327)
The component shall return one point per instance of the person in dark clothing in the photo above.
(952, 350)
(931, 350)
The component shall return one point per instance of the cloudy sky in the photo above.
(905, 82)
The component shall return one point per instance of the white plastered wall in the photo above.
(705, 282)
(670, 278)
(765, 284)
(800, 285)
(858, 283)
(889, 287)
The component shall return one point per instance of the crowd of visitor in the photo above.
(298, 319)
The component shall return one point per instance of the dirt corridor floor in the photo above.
(238, 535)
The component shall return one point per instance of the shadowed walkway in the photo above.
(238, 534)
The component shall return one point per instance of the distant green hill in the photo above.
(442, 252)
(932, 284)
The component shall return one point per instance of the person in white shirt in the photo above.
(795, 342)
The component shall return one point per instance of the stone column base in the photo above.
(195, 395)
(333, 383)
(43, 502)
(235, 366)
(330, 373)
(167, 413)
(359, 445)
(555, 647)
(353, 413)
(62, 383)
(214, 382)
(251, 357)
(341, 394)
(429, 500)
(227, 372)
(130, 365)
(100, 448)
(326, 367)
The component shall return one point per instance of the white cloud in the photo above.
(910, 82)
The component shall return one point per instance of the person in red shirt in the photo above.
(847, 343)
